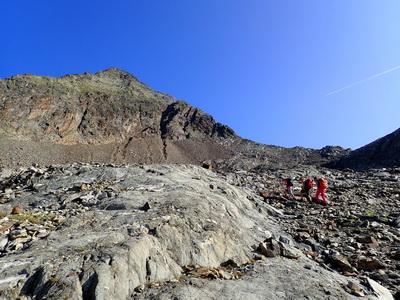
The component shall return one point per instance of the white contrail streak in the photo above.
(349, 86)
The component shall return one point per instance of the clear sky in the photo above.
(290, 73)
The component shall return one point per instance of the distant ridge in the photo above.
(382, 153)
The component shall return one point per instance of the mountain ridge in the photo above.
(381, 153)
(111, 116)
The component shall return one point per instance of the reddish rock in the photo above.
(340, 262)
(270, 248)
(17, 210)
(370, 264)
(370, 240)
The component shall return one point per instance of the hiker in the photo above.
(321, 186)
(306, 186)
(289, 188)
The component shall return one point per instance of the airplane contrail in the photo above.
(353, 84)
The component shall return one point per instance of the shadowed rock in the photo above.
(383, 152)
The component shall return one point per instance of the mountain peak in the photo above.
(112, 72)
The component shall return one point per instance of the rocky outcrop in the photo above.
(109, 106)
(382, 153)
(154, 232)
(182, 121)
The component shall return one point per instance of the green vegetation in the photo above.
(353, 219)
(84, 251)
(36, 218)
(53, 280)
(369, 212)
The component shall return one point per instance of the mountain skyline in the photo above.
(111, 116)
(262, 68)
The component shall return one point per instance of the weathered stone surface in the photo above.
(270, 248)
(113, 249)
(187, 224)
(340, 262)
(377, 288)
(269, 279)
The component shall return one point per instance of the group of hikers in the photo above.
(306, 187)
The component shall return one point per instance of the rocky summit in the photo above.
(111, 190)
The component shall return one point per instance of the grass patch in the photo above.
(36, 218)
(369, 212)
(353, 219)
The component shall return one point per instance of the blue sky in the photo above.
(265, 68)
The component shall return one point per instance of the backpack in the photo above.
(322, 183)
(308, 184)
(289, 182)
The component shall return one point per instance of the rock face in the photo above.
(89, 108)
(105, 117)
(111, 117)
(381, 153)
(155, 232)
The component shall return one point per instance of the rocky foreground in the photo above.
(85, 231)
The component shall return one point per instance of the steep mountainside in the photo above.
(111, 117)
(109, 106)
(384, 152)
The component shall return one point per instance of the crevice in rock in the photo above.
(83, 118)
(166, 117)
(41, 294)
(165, 153)
(148, 268)
(124, 150)
(152, 232)
(32, 283)
(89, 287)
